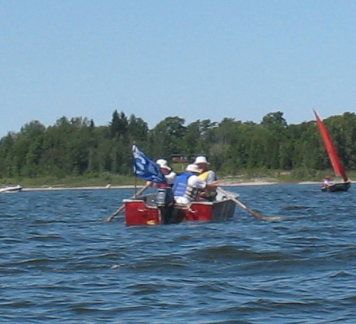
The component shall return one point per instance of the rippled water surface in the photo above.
(61, 263)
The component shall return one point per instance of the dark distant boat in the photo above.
(159, 208)
(334, 159)
(11, 189)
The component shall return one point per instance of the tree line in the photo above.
(73, 147)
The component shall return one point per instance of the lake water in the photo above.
(61, 263)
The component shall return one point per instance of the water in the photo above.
(61, 263)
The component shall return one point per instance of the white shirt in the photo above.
(170, 177)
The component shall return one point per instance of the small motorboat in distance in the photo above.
(11, 188)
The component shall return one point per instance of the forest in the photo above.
(77, 147)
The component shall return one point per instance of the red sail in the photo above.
(334, 158)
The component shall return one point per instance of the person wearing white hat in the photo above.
(188, 185)
(168, 173)
(206, 175)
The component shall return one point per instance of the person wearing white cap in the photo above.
(206, 175)
(188, 185)
(168, 173)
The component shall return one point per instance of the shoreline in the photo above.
(222, 184)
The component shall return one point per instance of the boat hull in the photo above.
(145, 212)
(338, 186)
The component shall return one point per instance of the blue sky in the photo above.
(194, 59)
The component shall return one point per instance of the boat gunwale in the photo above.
(179, 205)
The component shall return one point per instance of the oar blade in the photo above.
(115, 214)
(252, 212)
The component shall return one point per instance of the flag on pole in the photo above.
(145, 168)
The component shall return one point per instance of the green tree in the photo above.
(167, 138)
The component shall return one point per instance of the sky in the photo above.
(195, 59)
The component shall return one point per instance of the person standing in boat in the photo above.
(188, 185)
(208, 176)
(168, 173)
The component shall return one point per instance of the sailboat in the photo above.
(334, 159)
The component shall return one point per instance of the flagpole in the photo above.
(133, 163)
(135, 185)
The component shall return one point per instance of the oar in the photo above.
(252, 212)
(123, 206)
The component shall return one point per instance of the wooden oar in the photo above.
(123, 206)
(252, 212)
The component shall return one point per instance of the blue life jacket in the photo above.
(182, 189)
(181, 183)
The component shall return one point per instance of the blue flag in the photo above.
(145, 168)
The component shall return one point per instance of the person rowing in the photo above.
(188, 185)
(208, 176)
(168, 173)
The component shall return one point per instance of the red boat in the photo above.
(157, 209)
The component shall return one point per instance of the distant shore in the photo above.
(222, 184)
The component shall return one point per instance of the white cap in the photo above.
(163, 164)
(192, 168)
(201, 159)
